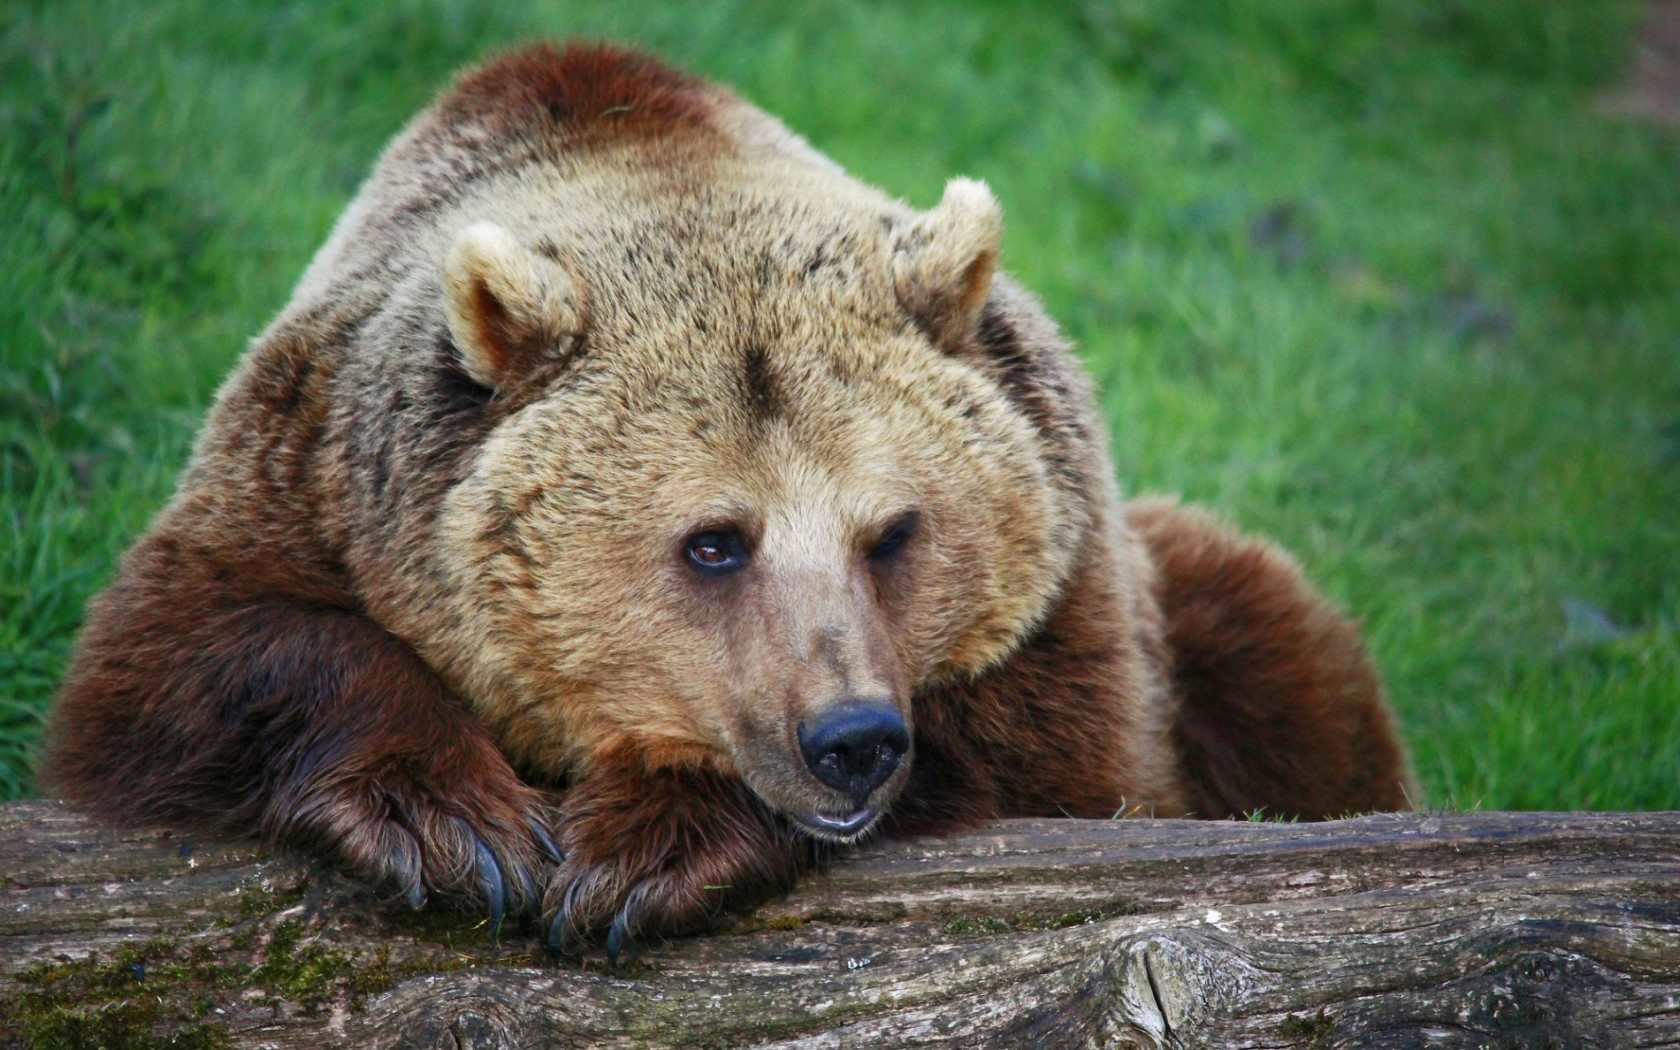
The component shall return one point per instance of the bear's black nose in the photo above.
(855, 747)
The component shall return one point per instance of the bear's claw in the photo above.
(484, 843)
(565, 935)
(558, 940)
(619, 933)
(491, 884)
(571, 931)
(545, 840)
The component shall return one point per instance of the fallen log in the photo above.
(1486, 929)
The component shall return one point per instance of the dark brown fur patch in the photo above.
(583, 90)
(500, 336)
(1035, 388)
(1280, 711)
(759, 386)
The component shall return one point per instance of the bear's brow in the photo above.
(759, 385)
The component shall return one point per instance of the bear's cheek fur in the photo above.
(568, 627)
(993, 557)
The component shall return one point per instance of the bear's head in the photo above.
(755, 487)
(758, 452)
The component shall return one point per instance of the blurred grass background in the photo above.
(1381, 278)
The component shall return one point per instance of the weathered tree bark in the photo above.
(1490, 929)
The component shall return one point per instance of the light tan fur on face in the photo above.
(597, 632)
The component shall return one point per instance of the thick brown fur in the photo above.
(1280, 712)
(206, 694)
(543, 94)
(424, 599)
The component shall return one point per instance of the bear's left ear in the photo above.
(507, 309)
(943, 262)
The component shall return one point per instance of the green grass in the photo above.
(1377, 277)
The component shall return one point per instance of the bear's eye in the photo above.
(893, 538)
(716, 551)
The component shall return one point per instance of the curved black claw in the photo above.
(619, 933)
(490, 884)
(557, 935)
(540, 833)
(525, 890)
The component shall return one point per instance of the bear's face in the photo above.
(746, 523)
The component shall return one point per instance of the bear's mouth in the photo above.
(843, 829)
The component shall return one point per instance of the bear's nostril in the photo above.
(854, 748)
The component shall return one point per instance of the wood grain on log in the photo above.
(1489, 929)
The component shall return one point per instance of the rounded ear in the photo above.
(943, 262)
(507, 310)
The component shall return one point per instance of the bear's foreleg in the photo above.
(662, 851)
(192, 700)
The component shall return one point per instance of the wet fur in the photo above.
(333, 634)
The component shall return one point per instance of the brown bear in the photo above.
(630, 503)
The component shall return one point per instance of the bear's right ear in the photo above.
(506, 309)
(943, 262)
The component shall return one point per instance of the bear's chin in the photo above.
(844, 830)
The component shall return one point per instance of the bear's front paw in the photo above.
(450, 818)
(662, 851)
